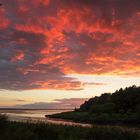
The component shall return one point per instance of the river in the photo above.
(35, 116)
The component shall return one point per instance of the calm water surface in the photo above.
(31, 113)
(39, 115)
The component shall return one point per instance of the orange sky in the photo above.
(45, 45)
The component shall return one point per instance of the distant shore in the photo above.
(35, 109)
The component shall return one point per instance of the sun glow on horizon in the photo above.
(52, 50)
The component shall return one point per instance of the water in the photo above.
(30, 113)
(36, 116)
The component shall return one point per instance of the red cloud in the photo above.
(18, 57)
(4, 21)
(46, 40)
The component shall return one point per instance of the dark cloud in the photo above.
(42, 41)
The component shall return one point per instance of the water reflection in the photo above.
(36, 116)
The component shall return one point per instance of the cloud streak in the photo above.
(43, 41)
(70, 103)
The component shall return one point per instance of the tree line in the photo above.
(121, 101)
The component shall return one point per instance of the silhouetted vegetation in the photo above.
(41, 131)
(122, 101)
(3, 122)
(120, 107)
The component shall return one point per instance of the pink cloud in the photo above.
(42, 41)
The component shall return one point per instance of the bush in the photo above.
(138, 112)
(3, 123)
(40, 131)
(3, 120)
(103, 108)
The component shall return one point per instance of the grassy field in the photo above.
(41, 131)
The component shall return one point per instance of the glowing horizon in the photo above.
(67, 51)
(103, 84)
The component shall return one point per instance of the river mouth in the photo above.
(37, 116)
(47, 120)
(32, 113)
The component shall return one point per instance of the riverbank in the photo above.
(119, 108)
(67, 122)
(10, 130)
(102, 118)
(47, 121)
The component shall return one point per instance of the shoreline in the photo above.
(47, 120)
(63, 122)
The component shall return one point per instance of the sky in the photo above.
(59, 53)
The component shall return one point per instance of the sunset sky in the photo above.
(59, 53)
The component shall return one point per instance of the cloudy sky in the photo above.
(61, 52)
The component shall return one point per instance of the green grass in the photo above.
(41, 131)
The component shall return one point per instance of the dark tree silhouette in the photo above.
(123, 100)
(120, 107)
